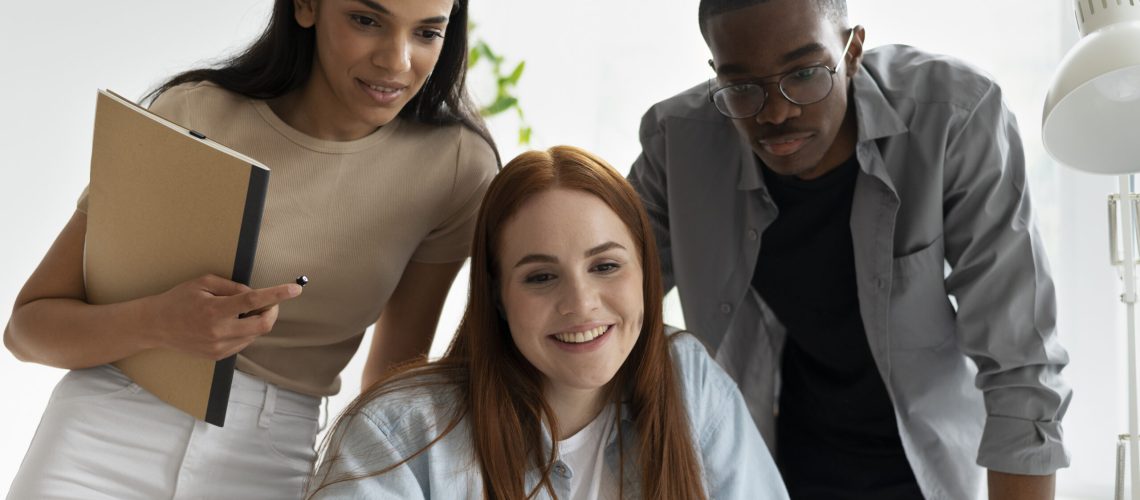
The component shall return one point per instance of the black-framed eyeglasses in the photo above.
(801, 86)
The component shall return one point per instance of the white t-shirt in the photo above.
(585, 454)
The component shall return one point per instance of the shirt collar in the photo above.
(625, 410)
(749, 167)
(875, 116)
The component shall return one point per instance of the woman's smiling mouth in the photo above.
(582, 340)
(385, 93)
(581, 337)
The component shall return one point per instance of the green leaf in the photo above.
(514, 78)
(501, 104)
(486, 50)
(480, 51)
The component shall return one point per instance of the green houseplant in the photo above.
(505, 99)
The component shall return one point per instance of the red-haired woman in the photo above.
(562, 337)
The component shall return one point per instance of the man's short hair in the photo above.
(834, 10)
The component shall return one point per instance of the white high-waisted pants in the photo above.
(103, 437)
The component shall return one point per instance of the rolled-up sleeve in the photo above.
(1006, 318)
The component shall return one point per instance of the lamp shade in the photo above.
(1091, 120)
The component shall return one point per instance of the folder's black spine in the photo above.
(243, 270)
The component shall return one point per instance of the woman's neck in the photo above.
(300, 109)
(574, 408)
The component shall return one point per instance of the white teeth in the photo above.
(581, 337)
(381, 89)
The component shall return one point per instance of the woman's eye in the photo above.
(364, 20)
(606, 268)
(432, 34)
(539, 278)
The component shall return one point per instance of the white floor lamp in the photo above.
(1092, 123)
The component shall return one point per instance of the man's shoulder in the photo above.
(905, 73)
(690, 104)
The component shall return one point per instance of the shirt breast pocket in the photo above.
(921, 315)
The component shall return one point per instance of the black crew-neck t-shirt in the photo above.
(837, 437)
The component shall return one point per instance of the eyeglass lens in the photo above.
(804, 86)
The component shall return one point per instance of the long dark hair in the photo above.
(281, 59)
(500, 392)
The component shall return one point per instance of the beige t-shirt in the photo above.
(349, 215)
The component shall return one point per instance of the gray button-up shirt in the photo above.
(941, 185)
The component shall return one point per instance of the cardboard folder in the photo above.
(166, 205)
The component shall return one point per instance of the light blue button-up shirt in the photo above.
(941, 183)
(734, 460)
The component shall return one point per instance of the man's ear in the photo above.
(855, 53)
(305, 12)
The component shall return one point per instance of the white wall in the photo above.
(592, 68)
(55, 56)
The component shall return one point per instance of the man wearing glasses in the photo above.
(850, 233)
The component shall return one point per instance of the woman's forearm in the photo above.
(70, 333)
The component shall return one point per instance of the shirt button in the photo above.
(753, 235)
(726, 308)
(881, 283)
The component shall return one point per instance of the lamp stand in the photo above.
(1127, 204)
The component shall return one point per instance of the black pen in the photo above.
(301, 280)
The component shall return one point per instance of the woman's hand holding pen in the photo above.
(214, 317)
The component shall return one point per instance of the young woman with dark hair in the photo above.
(561, 381)
(379, 164)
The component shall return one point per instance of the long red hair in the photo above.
(500, 391)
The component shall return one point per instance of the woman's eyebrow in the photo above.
(534, 257)
(374, 5)
(550, 259)
(609, 245)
